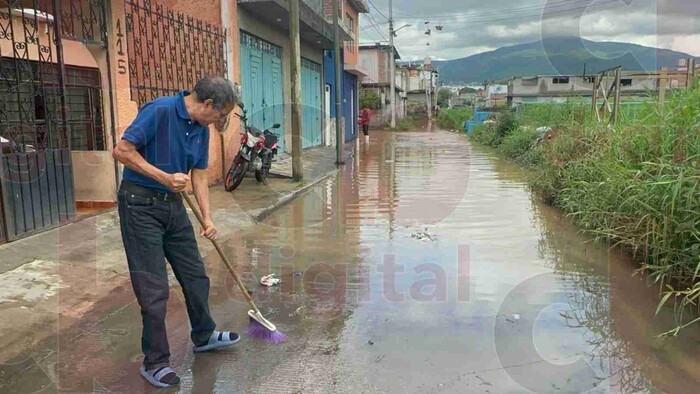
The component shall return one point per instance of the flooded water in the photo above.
(425, 266)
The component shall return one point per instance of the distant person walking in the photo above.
(365, 118)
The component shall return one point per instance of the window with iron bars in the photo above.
(31, 108)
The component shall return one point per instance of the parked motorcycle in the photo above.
(257, 150)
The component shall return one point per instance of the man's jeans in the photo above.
(153, 230)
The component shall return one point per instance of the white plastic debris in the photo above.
(424, 236)
(269, 280)
(516, 316)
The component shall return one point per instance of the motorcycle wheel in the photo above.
(235, 175)
(261, 174)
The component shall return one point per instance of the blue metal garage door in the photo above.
(261, 81)
(312, 114)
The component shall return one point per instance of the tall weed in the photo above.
(636, 185)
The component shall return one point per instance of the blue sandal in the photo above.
(218, 340)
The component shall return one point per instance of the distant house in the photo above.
(375, 61)
(496, 96)
(559, 88)
(421, 79)
(467, 95)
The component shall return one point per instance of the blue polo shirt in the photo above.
(166, 136)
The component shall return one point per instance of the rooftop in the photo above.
(382, 47)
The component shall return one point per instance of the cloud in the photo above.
(470, 29)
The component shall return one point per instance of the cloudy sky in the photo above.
(473, 26)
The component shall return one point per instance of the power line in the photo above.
(458, 17)
(372, 34)
(377, 9)
(372, 21)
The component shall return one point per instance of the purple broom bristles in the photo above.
(257, 330)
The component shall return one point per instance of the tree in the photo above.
(370, 100)
(444, 96)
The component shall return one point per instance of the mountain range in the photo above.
(555, 56)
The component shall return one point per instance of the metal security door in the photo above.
(273, 105)
(40, 119)
(261, 74)
(349, 110)
(312, 120)
(256, 113)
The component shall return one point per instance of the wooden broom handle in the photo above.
(221, 253)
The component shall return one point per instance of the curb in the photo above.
(263, 213)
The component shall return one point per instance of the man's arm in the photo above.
(126, 153)
(200, 186)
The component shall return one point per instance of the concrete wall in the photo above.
(369, 60)
(94, 176)
(382, 117)
(256, 27)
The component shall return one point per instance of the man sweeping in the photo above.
(169, 140)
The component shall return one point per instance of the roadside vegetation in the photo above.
(411, 122)
(454, 118)
(635, 185)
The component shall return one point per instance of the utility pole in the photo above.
(691, 69)
(339, 137)
(427, 95)
(297, 170)
(392, 67)
(616, 108)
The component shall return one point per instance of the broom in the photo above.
(258, 327)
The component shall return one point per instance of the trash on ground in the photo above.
(299, 310)
(424, 236)
(299, 273)
(370, 342)
(269, 280)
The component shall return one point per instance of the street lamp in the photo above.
(400, 29)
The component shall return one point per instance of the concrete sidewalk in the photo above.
(49, 281)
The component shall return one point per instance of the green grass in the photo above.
(454, 118)
(636, 185)
(406, 124)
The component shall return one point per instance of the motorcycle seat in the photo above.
(270, 138)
